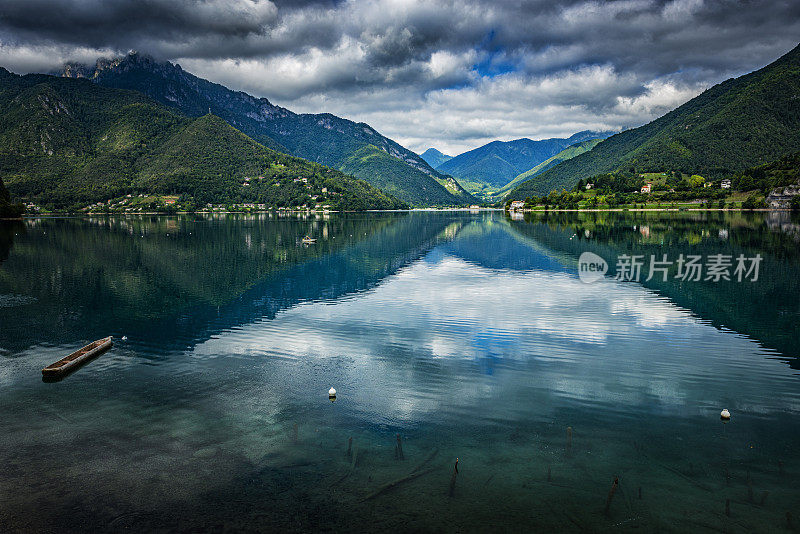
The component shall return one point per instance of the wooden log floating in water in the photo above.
(77, 358)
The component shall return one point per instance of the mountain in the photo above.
(737, 124)
(322, 138)
(67, 143)
(485, 169)
(434, 158)
(568, 153)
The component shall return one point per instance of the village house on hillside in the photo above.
(646, 188)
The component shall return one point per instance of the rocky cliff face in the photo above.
(169, 84)
(781, 197)
(322, 138)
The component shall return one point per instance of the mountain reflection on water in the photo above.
(469, 335)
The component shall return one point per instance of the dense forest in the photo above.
(738, 124)
(322, 138)
(7, 209)
(68, 143)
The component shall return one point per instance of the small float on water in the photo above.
(77, 358)
(309, 240)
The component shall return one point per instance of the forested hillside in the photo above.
(68, 143)
(322, 138)
(738, 124)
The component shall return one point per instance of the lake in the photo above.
(447, 335)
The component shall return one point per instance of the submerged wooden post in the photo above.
(453, 479)
(354, 459)
(569, 439)
(398, 449)
(611, 493)
(350, 447)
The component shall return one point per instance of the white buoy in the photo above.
(725, 415)
(332, 393)
(124, 338)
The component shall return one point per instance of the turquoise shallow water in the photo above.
(469, 335)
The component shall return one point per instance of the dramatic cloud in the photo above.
(428, 73)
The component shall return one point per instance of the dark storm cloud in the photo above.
(452, 73)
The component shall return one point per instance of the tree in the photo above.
(752, 203)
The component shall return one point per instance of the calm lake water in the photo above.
(470, 336)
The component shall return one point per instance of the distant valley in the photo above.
(486, 171)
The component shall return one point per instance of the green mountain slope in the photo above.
(434, 158)
(568, 153)
(7, 209)
(322, 138)
(737, 124)
(780, 173)
(65, 142)
(392, 176)
(485, 169)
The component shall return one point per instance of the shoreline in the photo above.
(471, 210)
(649, 209)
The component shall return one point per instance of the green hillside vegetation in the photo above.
(748, 189)
(456, 189)
(7, 209)
(738, 124)
(68, 143)
(568, 153)
(475, 177)
(395, 178)
(322, 138)
(765, 178)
